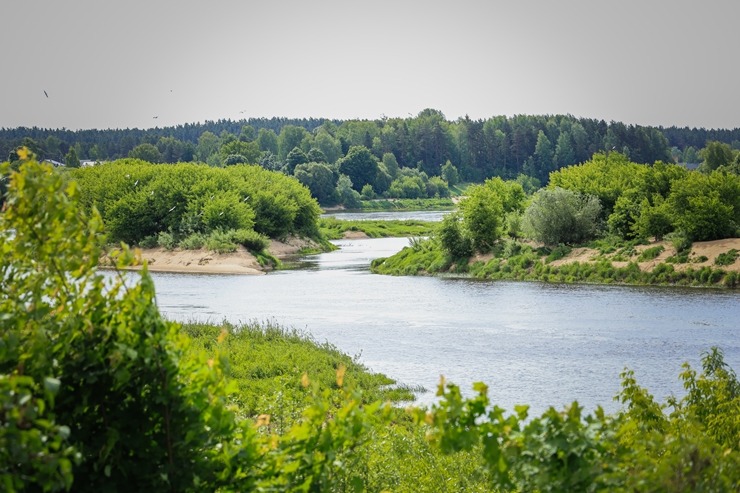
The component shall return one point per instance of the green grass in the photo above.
(267, 362)
(334, 229)
(650, 253)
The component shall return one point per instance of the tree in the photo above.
(544, 157)
(483, 217)
(360, 166)
(347, 194)
(653, 219)
(329, 146)
(290, 137)
(146, 152)
(391, 164)
(248, 150)
(715, 154)
(452, 237)
(449, 174)
(315, 155)
(706, 207)
(557, 215)
(267, 140)
(207, 147)
(320, 180)
(233, 159)
(71, 159)
(295, 157)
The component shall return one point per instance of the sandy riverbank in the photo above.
(204, 261)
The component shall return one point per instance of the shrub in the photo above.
(726, 258)
(557, 253)
(220, 242)
(650, 253)
(561, 216)
(194, 241)
(149, 241)
(452, 237)
(250, 239)
(166, 240)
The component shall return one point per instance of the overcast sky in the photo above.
(119, 64)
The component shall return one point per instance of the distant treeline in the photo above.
(498, 146)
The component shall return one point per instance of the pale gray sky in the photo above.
(118, 64)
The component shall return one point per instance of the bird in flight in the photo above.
(155, 117)
(46, 94)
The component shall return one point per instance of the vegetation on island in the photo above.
(335, 229)
(99, 393)
(194, 206)
(608, 203)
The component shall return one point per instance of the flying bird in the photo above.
(172, 209)
(46, 94)
(136, 182)
(155, 117)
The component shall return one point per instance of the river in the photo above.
(532, 343)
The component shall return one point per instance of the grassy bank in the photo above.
(596, 263)
(267, 363)
(334, 229)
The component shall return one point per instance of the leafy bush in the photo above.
(137, 199)
(452, 237)
(726, 258)
(561, 216)
(149, 241)
(650, 253)
(166, 240)
(220, 242)
(250, 239)
(557, 253)
(195, 241)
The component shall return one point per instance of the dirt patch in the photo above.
(201, 261)
(703, 254)
(576, 255)
(290, 247)
(204, 261)
(354, 235)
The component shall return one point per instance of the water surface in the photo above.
(534, 343)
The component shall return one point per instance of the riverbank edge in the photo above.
(204, 261)
(580, 266)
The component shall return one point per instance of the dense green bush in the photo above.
(726, 258)
(138, 199)
(562, 216)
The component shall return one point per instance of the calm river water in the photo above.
(533, 343)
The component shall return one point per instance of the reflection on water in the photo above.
(541, 344)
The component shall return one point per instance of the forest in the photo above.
(98, 392)
(479, 149)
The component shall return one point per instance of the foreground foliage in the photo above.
(99, 393)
